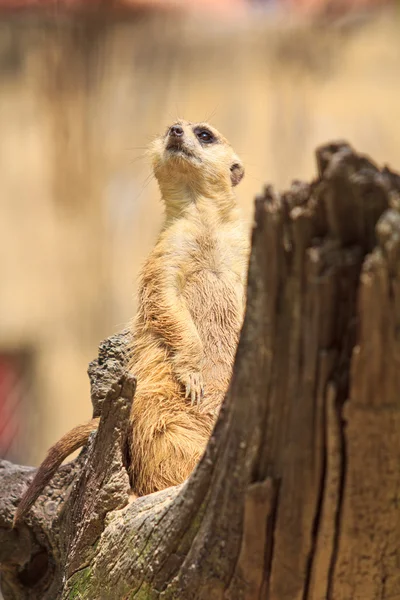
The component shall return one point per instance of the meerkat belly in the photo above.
(215, 303)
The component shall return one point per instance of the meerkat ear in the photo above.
(237, 173)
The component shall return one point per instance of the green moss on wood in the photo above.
(79, 584)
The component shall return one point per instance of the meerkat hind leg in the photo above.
(167, 455)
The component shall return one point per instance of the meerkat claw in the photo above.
(194, 389)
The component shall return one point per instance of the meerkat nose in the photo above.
(176, 131)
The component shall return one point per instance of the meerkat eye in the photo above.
(205, 136)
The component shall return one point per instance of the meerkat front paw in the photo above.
(188, 371)
(194, 388)
(192, 382)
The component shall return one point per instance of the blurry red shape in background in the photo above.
(227, 5)
(10, 399)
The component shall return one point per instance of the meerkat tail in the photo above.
(71, 441)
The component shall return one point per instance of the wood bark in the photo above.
(297, 496)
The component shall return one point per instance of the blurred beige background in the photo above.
(80, 98)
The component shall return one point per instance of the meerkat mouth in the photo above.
(182, 152)
(175, 149)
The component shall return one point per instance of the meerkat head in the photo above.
(197, 157)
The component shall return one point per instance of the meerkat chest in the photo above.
(215, 250)
(213, 280)
(214, 256)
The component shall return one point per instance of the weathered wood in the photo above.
(105, 486)
(368, 551)
(30, 555)
(296, 497)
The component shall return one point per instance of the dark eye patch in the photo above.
(204, 135)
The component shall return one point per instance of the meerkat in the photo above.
(191, 305)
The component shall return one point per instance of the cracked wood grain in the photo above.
(104, 482)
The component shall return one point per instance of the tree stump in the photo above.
(297, 495)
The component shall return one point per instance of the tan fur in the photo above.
(191, 302)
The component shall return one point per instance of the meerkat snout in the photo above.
(177, 143)
(176, 131)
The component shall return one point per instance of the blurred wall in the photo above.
(79, 102)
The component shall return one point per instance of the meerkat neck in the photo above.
(219, 206)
